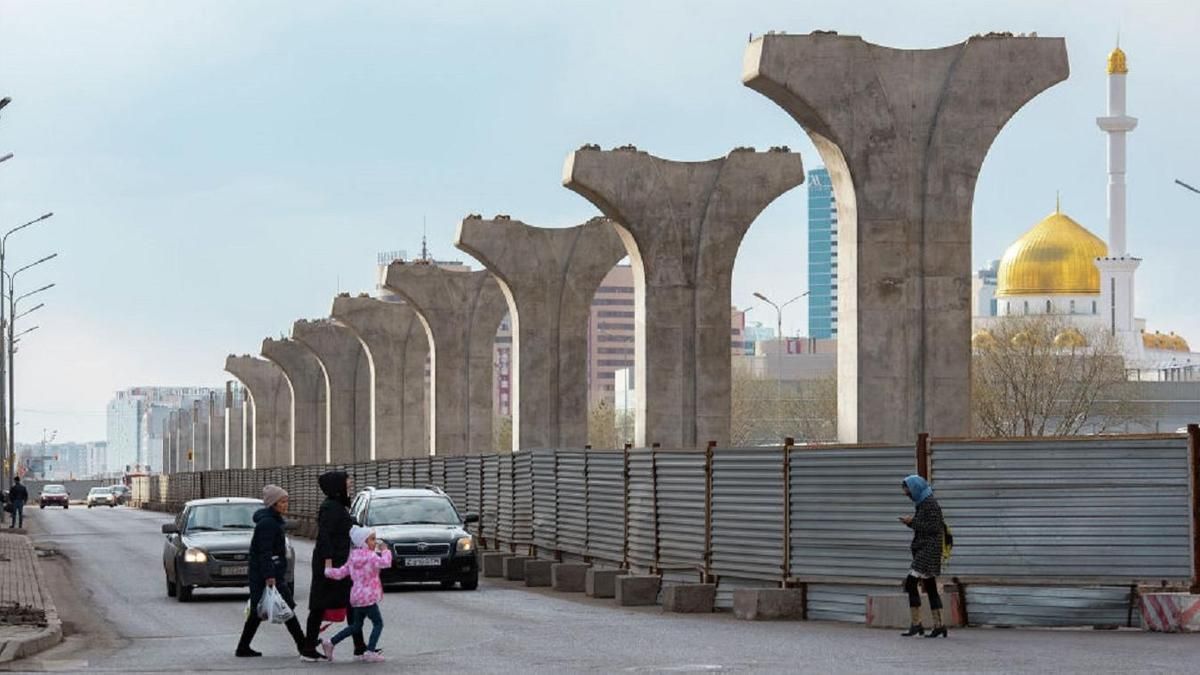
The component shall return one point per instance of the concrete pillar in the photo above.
(397, 346)
(216, 431)
(163, 464)
(187, 435)
(235, 451)
(169, 465)
(682, 224)
(549, 277)
(461, 312)
(343, 360)
(310, 399)
(270, 397)
(903, 134)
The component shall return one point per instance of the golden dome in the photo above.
(983, 339)
(1070, 339)
(1168, 343)
(1116, 62)
(1056, 257)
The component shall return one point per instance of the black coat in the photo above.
(18, 493)
(928, 528)
(268, 555)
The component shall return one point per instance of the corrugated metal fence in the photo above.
(1047, 532)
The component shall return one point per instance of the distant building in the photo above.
(822, 256)
(135, 423)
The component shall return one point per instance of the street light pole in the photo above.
(779, 328)
(12, 366)
(1186, 186)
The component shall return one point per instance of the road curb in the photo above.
(43, 639)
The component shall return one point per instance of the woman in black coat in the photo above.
(268, 567)
(928, 528)
(333, 546)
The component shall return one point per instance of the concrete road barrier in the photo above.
(493, 564)
(569, 577)
(689, 598)
(602, 583)
(514, 567)
(890, 610)
(637, 591)
(767, 604)
(537, 573)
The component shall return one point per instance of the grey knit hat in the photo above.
(272, 494)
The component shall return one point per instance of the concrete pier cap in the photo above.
(682, 224)
(270, 442)
(397, 346)
(549, 277)
(310, 395)
(347, 371)
(461, 313)
(903, 134)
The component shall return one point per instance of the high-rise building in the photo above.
(822, 256)
(135, 422)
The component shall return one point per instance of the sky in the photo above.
(219, 169)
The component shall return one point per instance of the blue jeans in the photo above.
(18, 514)
(358, 617)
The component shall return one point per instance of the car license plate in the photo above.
(235, 570)
(422, 562)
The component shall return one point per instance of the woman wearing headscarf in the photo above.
(332, 548)
(928, 529)
(268, 567)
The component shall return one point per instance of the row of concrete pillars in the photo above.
(903, 134)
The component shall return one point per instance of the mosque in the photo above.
(1058, 267)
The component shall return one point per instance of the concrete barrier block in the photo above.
(537, 572)
(890, 610)
(569, 577)
(636, 591)
(493, 564)
(514, 567)
(689, 598)
(601, 583)
(767, 604)
(1170, 612)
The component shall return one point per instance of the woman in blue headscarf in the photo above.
(928, 529)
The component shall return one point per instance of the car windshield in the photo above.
(99, 491)
(222, 517)
(412, 511)
(54, 489)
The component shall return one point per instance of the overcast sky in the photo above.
(219, 169)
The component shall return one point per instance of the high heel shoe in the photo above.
(938, 631)
(914, 629)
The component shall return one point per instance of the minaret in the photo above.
(1117, 270)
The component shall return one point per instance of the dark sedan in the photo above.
(54, 495)
(426, 534)
(208, 546)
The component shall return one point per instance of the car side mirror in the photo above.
(471, 518)
(170, 528)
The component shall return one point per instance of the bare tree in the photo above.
(1041, 376)
(602, 426)
(503, 427)
(765, 410)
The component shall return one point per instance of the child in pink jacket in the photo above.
(366, 559)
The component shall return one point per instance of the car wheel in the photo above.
(111, 505)
(470, 583)
(42, 506)
(183, 592)
(66, 506)
(171, 592)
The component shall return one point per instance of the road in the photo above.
(122, 621)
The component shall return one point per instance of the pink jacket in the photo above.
(363, 568)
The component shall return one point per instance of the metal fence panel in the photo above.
(1040, 606)
(844, 506)
(545, 501)
(572, 502)
(680, 489)
(1107, 509)
(642, 529)
(474, 480)
(505, 523)
(748, 513)
(522, 498)
(491, 496)
(455, 483)
(606, 506)
(835, 602)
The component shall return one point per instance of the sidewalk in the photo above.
(29, 622)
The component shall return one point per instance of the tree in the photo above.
(503, 430)
(764, 411)
(602, 427)
(1041, 376)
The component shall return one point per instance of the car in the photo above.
(101, 496)
(425, 532)
(120, 493)
(208, 546)
(54, 495)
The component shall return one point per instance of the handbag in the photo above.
(335, 615)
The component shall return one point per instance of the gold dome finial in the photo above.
(1116, 62)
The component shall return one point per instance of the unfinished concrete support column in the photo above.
(310, 399)
(216, 431)
(168, 458)
(549, 277)
(269, 433)
(682, 224)
(397, 346)
(347, 371)
(461, 312)
(903, 134)
(234, 448)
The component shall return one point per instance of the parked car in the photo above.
(101, 496)
(54, 495)
(425, 532)
(120, 494)
(208, 546)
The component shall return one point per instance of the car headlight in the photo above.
(466, 544)
(195, 555)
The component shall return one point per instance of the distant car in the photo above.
(101, 496)
(120, 493)
(426, 534)
(54, 495)
(208, 546)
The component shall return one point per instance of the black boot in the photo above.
(938, 631)
(307, 653)
(914, 629)
(248, 631)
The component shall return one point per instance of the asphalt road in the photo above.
(109, 587)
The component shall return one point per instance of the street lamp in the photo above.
(779, 327)
(1186, 186)
(7, 157)
(5, 101)
(12, 366)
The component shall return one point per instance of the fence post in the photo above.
(654, 496)
(708, 510)
(1193, 432)
(923, 455)
(587, 505)
(787, 510)
(625, 541)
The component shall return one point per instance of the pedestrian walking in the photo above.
(333, 547)
(17, 497)
(366, 560)
(928, 528)
(268, 568)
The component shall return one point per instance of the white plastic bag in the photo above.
(273, 608)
